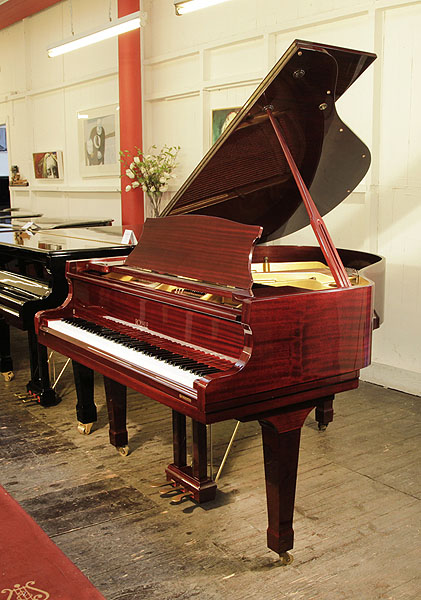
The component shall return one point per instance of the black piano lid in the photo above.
(245, 177)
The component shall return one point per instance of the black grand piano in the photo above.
(32, 277)
(207, 318)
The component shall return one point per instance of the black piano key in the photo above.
(172, 358)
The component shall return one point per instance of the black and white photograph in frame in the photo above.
(99, 141)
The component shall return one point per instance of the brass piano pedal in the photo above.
(173, 492)
(8, 375)
(25, 398)
(84, 428)
(183, 497)
(165, 483)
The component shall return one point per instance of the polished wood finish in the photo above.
(222, 254)
(192, 479)
(280, 351)
(116, 405)
(325, 241)
(286, 351)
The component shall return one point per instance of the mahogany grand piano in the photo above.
(32, 277)
(209, 321)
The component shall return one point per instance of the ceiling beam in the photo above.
(16, 10)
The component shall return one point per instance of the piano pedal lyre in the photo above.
(8, 375)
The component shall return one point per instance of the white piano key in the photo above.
(134, 357)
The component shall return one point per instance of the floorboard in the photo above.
(358, 504)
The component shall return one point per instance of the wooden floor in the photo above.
(358, 505)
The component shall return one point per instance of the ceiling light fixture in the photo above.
(122, 25)
(183, 7)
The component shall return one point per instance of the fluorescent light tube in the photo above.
(183, 7)
(122, 25)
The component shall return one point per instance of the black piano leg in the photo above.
(192, 478)
(324, 412)
(281, 443)
(39, 385)
(85, 408)
(6, 363)
(116, 395)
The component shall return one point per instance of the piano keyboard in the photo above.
(143, 354)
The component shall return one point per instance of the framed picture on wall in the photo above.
(221, 118)
(3, 142)
(99, 141)
(48, 165)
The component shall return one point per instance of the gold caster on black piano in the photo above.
(84, 428)
(8, 375)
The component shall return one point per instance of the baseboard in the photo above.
(394, 378)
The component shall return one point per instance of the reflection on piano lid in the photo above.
(245, 176)
(64, 239)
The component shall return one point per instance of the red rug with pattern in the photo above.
(32, 567)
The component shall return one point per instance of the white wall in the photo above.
(215, 57)
(39, 101)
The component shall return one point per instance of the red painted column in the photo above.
(129, 65)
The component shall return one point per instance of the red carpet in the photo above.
(31, 565)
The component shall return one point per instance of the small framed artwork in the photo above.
(48, 165)
(99, 141)
(3, 142)
(221, 118)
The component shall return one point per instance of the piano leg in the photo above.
(324, 412)
(194, 478)
(116, 395)
(39, 384)
(85, 408)
(6, 363)
(281, 442)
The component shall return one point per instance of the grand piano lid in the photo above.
(245, 177)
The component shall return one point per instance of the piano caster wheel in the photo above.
(286, 558)
(8, 375)
(322, 427)
(123, 450)
(84, 428)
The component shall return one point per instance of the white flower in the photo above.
(162, 180)
(132, 166)
(137, 160)
(128, 188)
(144, 188)
(130, 173)
(135, 184)
(163, 188)
(153, 189)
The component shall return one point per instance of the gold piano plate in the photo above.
(310, 275)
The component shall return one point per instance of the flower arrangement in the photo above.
(152, 172)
